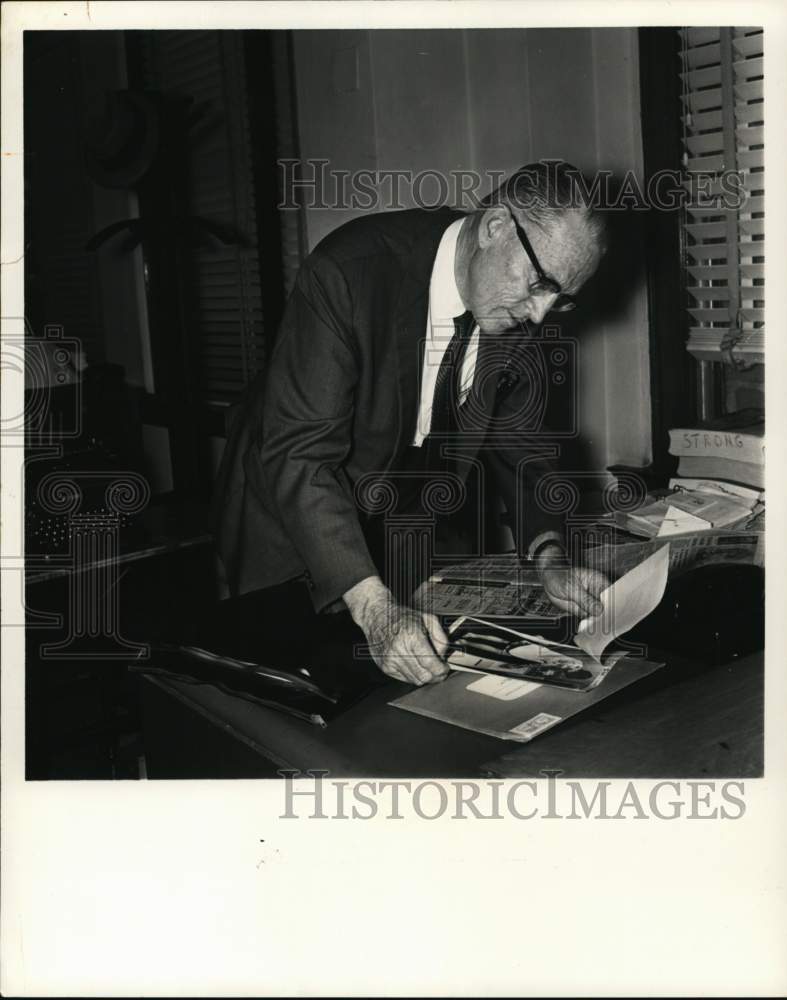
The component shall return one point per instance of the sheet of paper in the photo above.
(532, 727)
(625, 602)
(446, 595)
(747, 493)
(677, 521)
(502, 688)
(687, 551)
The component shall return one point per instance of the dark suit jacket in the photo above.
(339, 400)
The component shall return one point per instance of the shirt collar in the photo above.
(445, 302)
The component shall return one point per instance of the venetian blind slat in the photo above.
(725, 273)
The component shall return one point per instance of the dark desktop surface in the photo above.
(91, 718)
(700, 715)
(681, 723)
(82, 709)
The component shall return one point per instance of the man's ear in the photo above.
(495, 224)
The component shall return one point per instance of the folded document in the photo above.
(625, 603)
(520, 684)
(512, 709)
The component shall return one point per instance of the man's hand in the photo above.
(575, 589)
(407, 644)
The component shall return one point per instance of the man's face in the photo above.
(501, 275)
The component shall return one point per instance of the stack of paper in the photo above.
(686, 510)
(520, 685)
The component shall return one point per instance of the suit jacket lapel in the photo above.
(410, 320)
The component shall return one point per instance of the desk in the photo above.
(81, 711)
(709, 725)
(680, 722)
(161, 529)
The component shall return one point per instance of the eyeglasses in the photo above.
(563, 302)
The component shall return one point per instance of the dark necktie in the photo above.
(446, 392)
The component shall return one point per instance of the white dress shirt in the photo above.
(445, 304)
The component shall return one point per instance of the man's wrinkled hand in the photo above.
(407, 645)
(575, 589)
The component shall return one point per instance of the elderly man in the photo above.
(400, 352)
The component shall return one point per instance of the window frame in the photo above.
(674, 373)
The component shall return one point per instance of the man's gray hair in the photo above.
(541, 192)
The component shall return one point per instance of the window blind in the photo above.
(228, 335)
(723, 122)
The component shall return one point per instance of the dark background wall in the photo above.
(493, 99)
(482, 100)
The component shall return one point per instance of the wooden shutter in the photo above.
(723, 121)
(208, 66)
(290, 219)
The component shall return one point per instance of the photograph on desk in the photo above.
(341, 382)
(502, 648)
(488, 647)
(549, 681)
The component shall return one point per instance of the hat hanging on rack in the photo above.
(121, 135)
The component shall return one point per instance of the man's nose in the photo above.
(537, 306)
